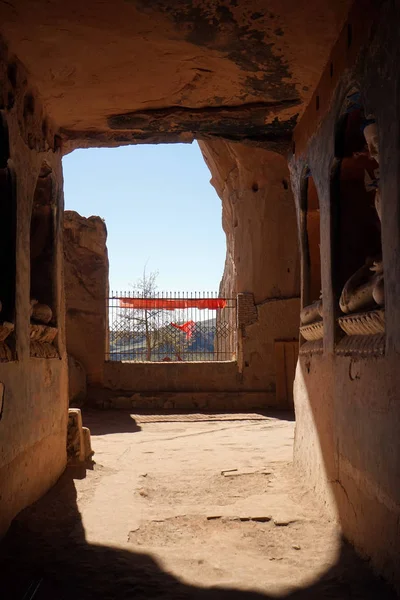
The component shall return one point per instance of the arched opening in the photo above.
(312, 240)
(8, 217)
(357, 266)
(358, 234)
(311, 314)
(42, 249)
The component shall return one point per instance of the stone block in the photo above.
(78, 438)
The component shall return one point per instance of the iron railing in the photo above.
(171, 327)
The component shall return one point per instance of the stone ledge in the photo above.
(367, 323)
(312, 347)
(361, 345)
(313, 331)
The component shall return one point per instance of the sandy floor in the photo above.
(182, 508)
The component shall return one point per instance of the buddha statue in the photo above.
(364, 290)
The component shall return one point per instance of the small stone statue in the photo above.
(363, 290)
(40, 313)
(311, 313)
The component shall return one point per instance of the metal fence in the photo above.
(171, 327)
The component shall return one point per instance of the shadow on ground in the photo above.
(118, 421)
(124, 421)
(45, 557)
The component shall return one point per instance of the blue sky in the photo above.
(159, 208)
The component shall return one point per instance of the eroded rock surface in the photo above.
(86, 290)
(261, 59)
(259, 219)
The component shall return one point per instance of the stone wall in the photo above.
(210, 386)
(33, 411)
(262, 260)
(347, 404)
(86, 292)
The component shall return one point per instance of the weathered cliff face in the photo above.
(86, 291)
(259, 219)
(164, 70)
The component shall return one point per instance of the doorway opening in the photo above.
(164, 232)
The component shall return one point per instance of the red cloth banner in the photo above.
(173, 304)
(187, 328)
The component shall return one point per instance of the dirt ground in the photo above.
(182, 507)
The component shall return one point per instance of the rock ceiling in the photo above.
(172, 70)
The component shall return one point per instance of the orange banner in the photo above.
(173, 304)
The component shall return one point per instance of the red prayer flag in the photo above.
(188, 328)
(167, 304)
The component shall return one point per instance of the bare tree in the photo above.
(152, 325)
(145, 322)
